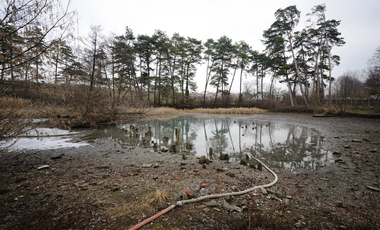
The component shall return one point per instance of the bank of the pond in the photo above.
(106, 186)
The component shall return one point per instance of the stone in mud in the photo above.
(204, 160)
(231, 208)
(164, 149)
(260, 167)
(224, 156)
(56, 157)
(173, 148)
(230, 174)
(335, 153)
(43, 167)
(263, 191)
(373, 188)
(102, 167)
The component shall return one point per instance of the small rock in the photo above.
(182, 163)
(211, 204)
(356, 140)
(102, 167)
(204, 166)
(337, 153)
(263, 191)
(164, 149)
(115, 189)
(217, 209)
(300, 224)
(339, 204)
(231, 208)
(35, 193)
(155, 177)
(56, 157)
(373, 188)
(155, 166)
(274, 197)
(347, 146)
(365, 139)
(220, 169)
(43, 167)
(146, 166)
(230, 174)
(325, 179)
(204, 160)
(373, 150)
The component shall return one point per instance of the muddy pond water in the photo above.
(278, 144)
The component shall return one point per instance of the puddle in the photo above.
(278, 144)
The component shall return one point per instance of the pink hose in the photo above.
(152, 217)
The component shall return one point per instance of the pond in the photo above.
(278, 144)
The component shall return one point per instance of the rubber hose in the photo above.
(153, 217)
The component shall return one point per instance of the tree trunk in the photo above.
(297, 72)
(232, 81)
(329, 55)
(208, 74)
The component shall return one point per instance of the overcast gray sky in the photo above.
(237, 19)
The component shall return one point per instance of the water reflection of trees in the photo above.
(279, 145)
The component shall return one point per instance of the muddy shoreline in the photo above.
(107, 186)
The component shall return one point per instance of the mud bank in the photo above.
(107, 186)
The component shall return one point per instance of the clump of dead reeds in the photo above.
(228, 111)
(160, 196)
(163, 111)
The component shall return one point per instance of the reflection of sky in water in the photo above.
(48, 139)
(278, 144)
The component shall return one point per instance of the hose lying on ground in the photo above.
(180, 203)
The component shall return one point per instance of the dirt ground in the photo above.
(106, 186)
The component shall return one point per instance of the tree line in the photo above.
(159, 69)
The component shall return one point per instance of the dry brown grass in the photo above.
(158, 197)
(172, 111)
(163, 111)
(228, 111)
